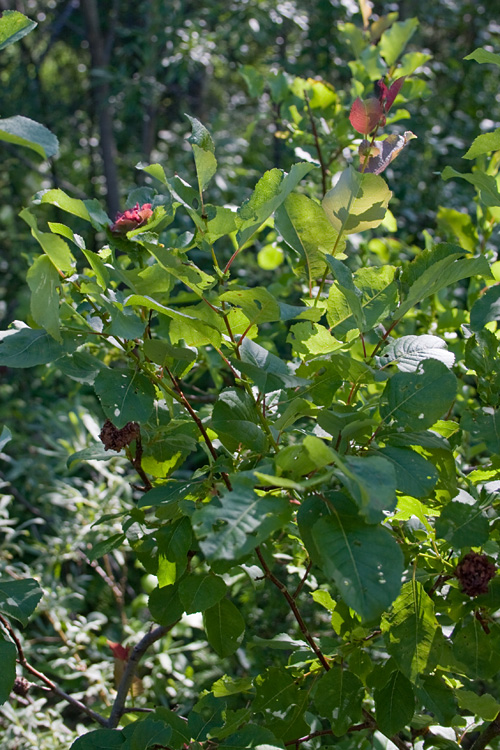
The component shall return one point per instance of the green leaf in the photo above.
(5, 437)
(60, 199)
(394, 704)
(463, 523)
(19, 599)
(439, 275)
(266, 370)
(98, 267)
(483, 144)
(13, 26)
(378, 297)
(258, 305)
(30, 134)
(8, 655)
(394, 40)
(485, 183)
(352, 294)
(204, 333)
(106, 546)
(234, 524)
(481, 55)
(416, 400)
(43, 281)
(253, 79)
(339, 696)
(270, 192)
(171, 492)
(180, 730)
(460, 225)
(438, 698)
(476, 652)
(356, 202)
(203, 150)
(186, 272)
(371, 480)
(165, 605)
(200, 592)
(483, 705)
(410, 62)
(483, 426)
(236, 421)
(54, 246)
(415, 475)
(303, 225)
(275, 689)
(364, 561)
(174, 540)
(124, 396)
(224, 626)
(99, 739)
(409, 630)
(27, 347)
(92, 453)
(485, 309)
(408, 351)
(312, 338)
(148, 733)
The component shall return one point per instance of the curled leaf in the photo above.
(381, 153)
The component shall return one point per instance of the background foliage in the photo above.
(120, 98)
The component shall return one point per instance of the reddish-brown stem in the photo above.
(324, 168)
(137, 464)
(302, 581)
(199, 424)
(47, 681)
(437, 584)
(247, 329)
(294, 608)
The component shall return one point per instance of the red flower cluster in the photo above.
(132, 218)
(366, 116)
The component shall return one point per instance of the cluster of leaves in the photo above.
(328, 436)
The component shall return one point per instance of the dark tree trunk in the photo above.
(100, 94)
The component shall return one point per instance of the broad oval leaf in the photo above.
(13, 26)
(364, 561)
(30, 134)
(408, 351)
(356, 202)
(394, 704)
(419, 399)
(19, 599)
(124, 396)
(224, 626)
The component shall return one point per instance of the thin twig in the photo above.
(293, 607)
(325, 732)
(302, 581)
(324, 168)
(128, 675)
(199, 424)
(52, 685)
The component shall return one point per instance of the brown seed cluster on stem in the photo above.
(475, 571)
(114, 439)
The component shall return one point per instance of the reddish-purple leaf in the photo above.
(381, 90)
(393, 92)
(383, 152)
(365, 115)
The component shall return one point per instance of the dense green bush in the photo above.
(263, 443)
